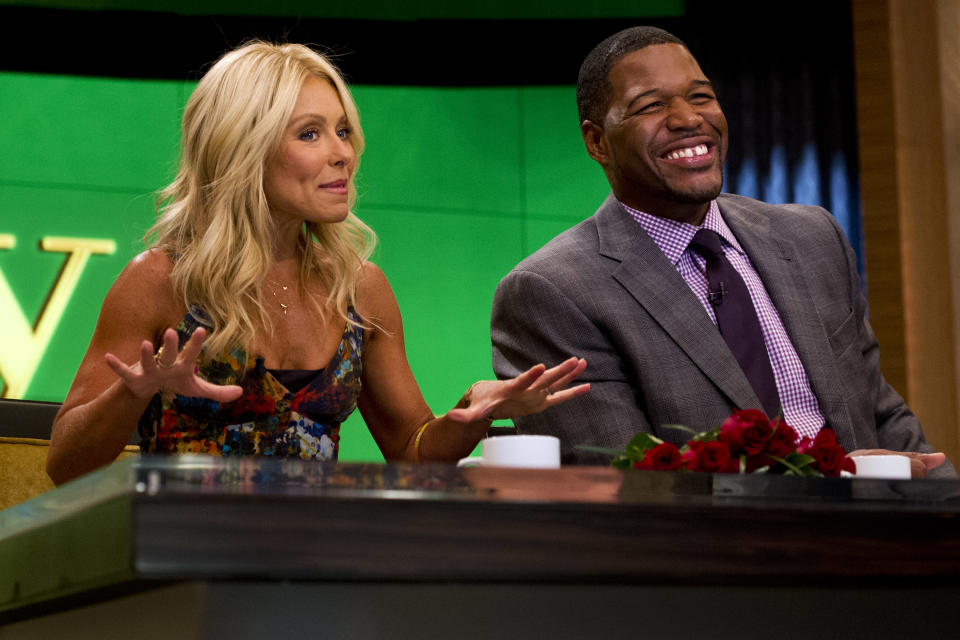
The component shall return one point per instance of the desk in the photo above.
(200, 547)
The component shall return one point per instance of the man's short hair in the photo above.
(593, 83)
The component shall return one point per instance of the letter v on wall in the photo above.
(22, 346)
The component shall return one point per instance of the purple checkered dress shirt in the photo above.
(800, 407)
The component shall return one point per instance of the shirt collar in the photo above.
(673, 237)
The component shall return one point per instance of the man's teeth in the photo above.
(689, 152)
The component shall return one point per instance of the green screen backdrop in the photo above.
(459, 183)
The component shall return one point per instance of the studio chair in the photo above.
(24, 440)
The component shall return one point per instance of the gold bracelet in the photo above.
(416, 442)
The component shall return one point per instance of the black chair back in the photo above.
(27, 418)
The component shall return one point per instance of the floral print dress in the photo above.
(268, 419)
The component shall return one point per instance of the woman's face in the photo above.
(306, 179)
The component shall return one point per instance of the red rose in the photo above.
(755, 437)
(828, 456)
(687, 457)
(780, 444)
(663, 457)
(760, 460)
(745, 431)
(783, 440)
(849, 465)
(710, 457)
(825, 436)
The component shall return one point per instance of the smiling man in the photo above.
(688, 303)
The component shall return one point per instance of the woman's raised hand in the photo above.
(170, 370)
(532, 391)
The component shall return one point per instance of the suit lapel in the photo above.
(657, 286)
(776, 260)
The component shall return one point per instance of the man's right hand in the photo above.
(920, 463)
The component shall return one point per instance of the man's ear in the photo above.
(593, 139)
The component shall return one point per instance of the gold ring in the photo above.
(157, 359)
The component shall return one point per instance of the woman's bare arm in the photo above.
(108, 395)
(393, 406)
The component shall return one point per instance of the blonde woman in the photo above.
(254, 324)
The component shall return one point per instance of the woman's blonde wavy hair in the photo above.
(214, 219)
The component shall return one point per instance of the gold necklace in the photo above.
(273, 290)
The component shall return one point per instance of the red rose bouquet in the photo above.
(746, 442)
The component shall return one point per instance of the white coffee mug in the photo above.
(536, 452)
(890, 467)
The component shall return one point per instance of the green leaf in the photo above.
(606, 450)
(790, 466)
(640, 444)
(679, 427)
(798, 464)
(621, 462)
(708, 436)
(800, 459)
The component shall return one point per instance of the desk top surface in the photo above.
(198, 475)
(198, 517)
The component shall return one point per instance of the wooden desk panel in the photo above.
(153, 523)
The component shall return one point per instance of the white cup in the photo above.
(888, 467)
(536, 452)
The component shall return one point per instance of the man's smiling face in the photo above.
(663, 140)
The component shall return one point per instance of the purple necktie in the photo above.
(737, 319)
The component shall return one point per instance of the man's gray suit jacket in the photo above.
(603, 290)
